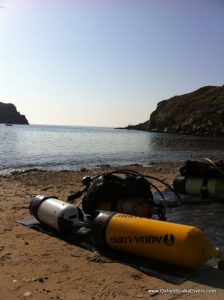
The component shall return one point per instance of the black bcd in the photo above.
(123, 191)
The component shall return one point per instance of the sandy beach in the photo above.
(38, 266)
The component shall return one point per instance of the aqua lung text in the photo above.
(167, 239)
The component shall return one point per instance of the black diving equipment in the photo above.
(124, 191)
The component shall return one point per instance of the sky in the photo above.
(106, 62)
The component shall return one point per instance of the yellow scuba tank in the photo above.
(177, 244)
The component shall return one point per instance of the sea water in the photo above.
(74, 147)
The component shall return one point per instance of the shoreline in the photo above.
(7, 171)
(14, 170)
(38, 266)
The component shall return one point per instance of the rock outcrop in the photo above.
(10, 115)
(198, 113)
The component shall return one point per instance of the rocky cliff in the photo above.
(10, 115)
(199, 113)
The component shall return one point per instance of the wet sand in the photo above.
(38, 266)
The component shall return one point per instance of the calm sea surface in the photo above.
(75, 147)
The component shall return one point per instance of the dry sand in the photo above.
(38, 266)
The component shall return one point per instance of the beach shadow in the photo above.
(211, 277)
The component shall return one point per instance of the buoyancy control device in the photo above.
(204, 179)
(124, 191)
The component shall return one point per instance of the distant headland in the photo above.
(200, 112)
(10, 115)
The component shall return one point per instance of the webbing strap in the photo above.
(204, 188)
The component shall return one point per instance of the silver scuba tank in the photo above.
(59, 215)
